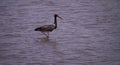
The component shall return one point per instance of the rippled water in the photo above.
(88, 35)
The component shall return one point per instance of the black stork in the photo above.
(45, 29)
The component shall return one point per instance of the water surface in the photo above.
(88, 35)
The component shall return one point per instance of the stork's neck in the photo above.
(55, 21)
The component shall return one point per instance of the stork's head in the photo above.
(56, 15)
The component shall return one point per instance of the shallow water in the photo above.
(88, 35)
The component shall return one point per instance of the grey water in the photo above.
(88, 35)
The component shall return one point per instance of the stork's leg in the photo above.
(46, 35)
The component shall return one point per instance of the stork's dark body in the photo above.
(46, 28)
(49, 28)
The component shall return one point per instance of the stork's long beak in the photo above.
(60, 17)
